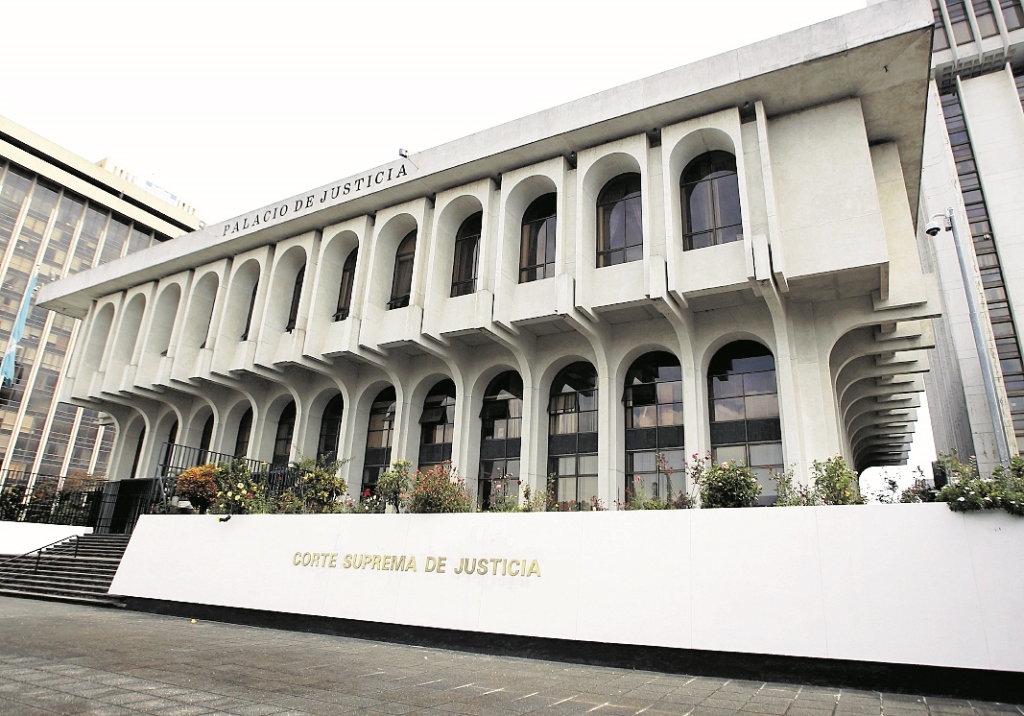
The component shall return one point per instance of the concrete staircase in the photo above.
(78, 570)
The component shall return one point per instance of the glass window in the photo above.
(378, 438)
(1013, 14)
(330, 430)
(501, 418)
(437, 425)
(940, 41)
(293, 311)
(348, 278)
(572, 436)
(283, 438)
(653, 400)
(620, 236)
(958, 21)
(401, 283)
(467, 252)
(537, 248)
(710, 201)
(986, 17)
(744, 407)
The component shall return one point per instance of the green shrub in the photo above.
(393, 485)
(836, 482)
(237, 491)
(727, 484)
(319, 488)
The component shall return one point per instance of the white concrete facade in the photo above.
(825, 128)
(851, 585)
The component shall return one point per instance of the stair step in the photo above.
(69, 598)
(77, 571)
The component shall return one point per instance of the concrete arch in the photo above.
(386, 242)
(244, 281)
(767, 340)
(232, 419)
(192, 432)
(279, 300)
(267, 430)
(165, 313)
(334, 253)
(359, 426)
(602, 171)
(313, 413)
(99, 332)
(195, 332)
(128, 332)
(450, 219)
(518, 200)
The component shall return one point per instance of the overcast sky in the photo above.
(235, 105)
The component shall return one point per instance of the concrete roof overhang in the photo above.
(880, 55)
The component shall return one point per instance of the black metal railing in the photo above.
(275, 479)
(19, 566)
(50, 499)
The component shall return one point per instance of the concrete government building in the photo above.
(727, 257)
(60, 214)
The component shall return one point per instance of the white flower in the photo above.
(959, 499)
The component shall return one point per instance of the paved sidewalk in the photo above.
(65, 659)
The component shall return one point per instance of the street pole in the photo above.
(987, 372)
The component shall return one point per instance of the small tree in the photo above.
(198, 485)
(836, 483)
(439, 489)
(393, 485)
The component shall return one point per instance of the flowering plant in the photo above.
(320, 488)
(638, 499)
(198, 485)
(237, 491)
(439, 489)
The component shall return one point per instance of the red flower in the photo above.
(366, 492)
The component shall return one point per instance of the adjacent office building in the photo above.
(60, 215)
(973, 163)
(722, 258)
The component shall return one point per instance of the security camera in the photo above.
(932, 228)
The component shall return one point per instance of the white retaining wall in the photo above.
(914, 584)
(21, 537)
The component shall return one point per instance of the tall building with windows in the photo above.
(718, 259)
(973, 163)
(60, 215)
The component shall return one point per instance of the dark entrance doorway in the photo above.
(123, 502)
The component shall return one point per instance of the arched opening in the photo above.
(378, 438)
(655, 452)
(348, 279)
(244, 434)
(163, 320)
(572, 436)
(283, 436)
(467, 253)
(500, 439)
(401, 282)
(98, 334)
(330, 430)
(710, 195)
(293, 309)
(194, 333)
(205, 439)
(168, 448)
(538, 244)
(620, 233)
(437, 425)
(128, 332)
(137, 457)
(744, 408)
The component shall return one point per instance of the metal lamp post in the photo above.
(987, 371)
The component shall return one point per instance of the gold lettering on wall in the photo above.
(432, 564)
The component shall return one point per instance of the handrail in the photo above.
(38, 551)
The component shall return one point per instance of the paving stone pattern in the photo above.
(69, 659)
